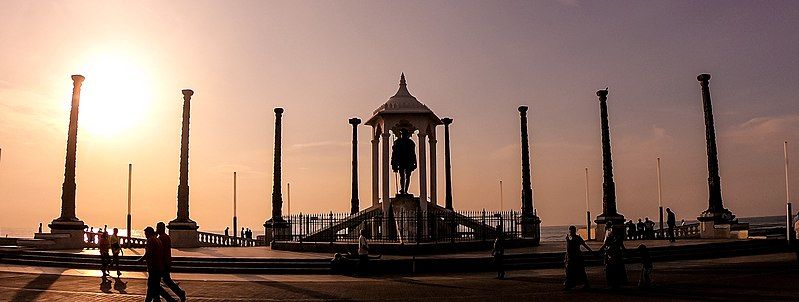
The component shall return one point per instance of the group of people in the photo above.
(613, 259)
(106, 243)
(245, 233)
(645, 229)
(158, 255)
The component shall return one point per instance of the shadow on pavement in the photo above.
(35, 288)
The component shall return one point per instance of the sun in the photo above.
(115, 95)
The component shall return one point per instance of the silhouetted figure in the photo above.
(116, 248)
(105, 285)
(90, 235)
(403, 159)
(646, 267)
(641, 229)
(40, 227)
(671, 221)
(796, 232)
(649, 227)
(575, 266)
(630, 226)
(153, 254)
(363, 253)
(166, 246)
(499, 254)
(105, 259)
(615, 273)
(242, 233)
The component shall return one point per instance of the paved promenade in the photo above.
(751, 278)
(266, 252)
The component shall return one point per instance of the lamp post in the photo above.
(587, 208)
(789, 218)
(235, 219)
(130, 176)
(660, 199)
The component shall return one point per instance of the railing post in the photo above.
(483, 228)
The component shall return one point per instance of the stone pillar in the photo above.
(354, 201)
(67, 224)
(433, 169)
(715, 213)
(386, 203)
(447, 164)
(609, 212)
(375, 168)
(423, 182)
(182, 229)
(276, 227)
(529, 221)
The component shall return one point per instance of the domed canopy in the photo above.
(403, 103)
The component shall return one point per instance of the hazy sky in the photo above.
(327, 61)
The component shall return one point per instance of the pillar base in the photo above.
(184, 234)
(531, 228)
(72, 227)
(602, 219)
(731, 230)
(276, 230)
(723, 216)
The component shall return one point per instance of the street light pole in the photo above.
(789, 219)
(235, 219)
(660, 200)
(501, 196)
(130, 175)
(587, 208)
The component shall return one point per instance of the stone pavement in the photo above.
(750, 278)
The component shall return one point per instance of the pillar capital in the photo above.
(446, 121)
(523, 110)
(704, 78)
(279, 110)
(354, 121)
(77, 79)
(602, 94)
(187, 93)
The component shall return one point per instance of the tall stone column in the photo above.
(375, 168)
(354, 201)
(67, 222)
(609, 212)
(386, 203)
(433, 169)
(182, 229)
(530, 222)
(423, 183)
(447, 164)
(715, 212)
(276, 227)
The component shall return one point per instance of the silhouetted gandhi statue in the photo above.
(403, 159)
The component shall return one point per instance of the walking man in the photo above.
(105, 259)
(166, 254)
(116, 248)
(153, 256)
(671, 220)
(499, 254)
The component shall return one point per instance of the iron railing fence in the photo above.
(403, 226)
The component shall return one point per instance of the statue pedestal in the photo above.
(276, 231)
(721, 224)
(406, 213)
(601, 220)
(74, 228)
(531, 228)
(184, 234)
